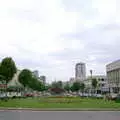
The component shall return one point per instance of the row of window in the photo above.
(114, 75)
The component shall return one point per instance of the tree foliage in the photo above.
(2, 78)
(57, 90)
(8, 68)
(28, 80)
(35, 84)
(25, 77)
(75, 86)
(58, 84)
(67, 87)
(94, 83)
(82, 87)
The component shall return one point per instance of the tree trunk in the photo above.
(5, 90)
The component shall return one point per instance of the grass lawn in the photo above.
(59, 103)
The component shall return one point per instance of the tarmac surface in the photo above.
(58, 115)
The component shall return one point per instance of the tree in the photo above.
(82, 87)
(94, 83)
(53, 85)
(67, 87)
(2, 78)
(8, 68)
(25, 77)
(27, 80)
(35, 84)
(58, 84)
(75, 86)
(57, 90)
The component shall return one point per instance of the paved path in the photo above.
(58, 115)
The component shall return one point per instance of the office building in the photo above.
(113, 76)
(43, 79)
(71, 81)
(102, 83)
(36, 73)
(80, 71)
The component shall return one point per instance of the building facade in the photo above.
(102, 83)
(36, 73)
(15, 81)
(71, 81)
(113, 76)
(43, 79)
(80, 71)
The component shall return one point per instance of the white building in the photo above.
(80, 71)
(71, 81)
(15, 81)
(113, 76)
(101, 80)
(36, 73)
(43, 79)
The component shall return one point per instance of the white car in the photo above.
(14, 94)
(99, 96)
(113, 95)
(2, 95)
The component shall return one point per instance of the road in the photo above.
(58, 115)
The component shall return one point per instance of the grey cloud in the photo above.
(101, 42)
(83, 6)
(104, 47)
(30, 15)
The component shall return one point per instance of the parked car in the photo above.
(29, 95)
(3, 96)
(99, 96)
(83, 95)
(111, 96)
(14, 94)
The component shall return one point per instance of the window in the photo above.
(102, 79)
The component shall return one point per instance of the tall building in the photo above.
(71, 81)
(80, 71)
(36, 73)
(113, 76)
(43, 79)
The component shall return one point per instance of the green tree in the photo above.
(67, 87)
(53, 85)
(57, 84)
(47, 87)
(2, 81)
(2, 78)
(60, 84)
(82, 87)
(75, 87)
(25, 77)
(94, 83)
(35, 84)
(8, 68)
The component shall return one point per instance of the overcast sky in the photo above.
(53, 35)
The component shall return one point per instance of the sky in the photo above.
(53, 35)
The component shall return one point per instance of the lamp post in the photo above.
(91, 72)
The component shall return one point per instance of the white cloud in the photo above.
(30, 32)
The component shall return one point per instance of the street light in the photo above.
(91, 72)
